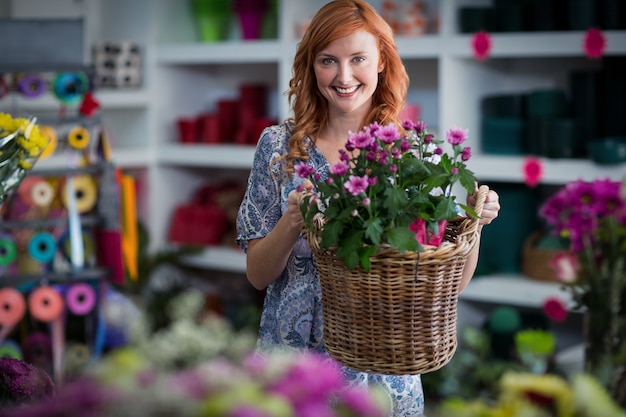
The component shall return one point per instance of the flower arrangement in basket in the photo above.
(390, 246)
(21, 144)
(591, 217)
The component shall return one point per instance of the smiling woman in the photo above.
(347, 74)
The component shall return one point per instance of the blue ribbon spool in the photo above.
(42, 247)
(70, 87)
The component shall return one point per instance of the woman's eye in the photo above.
(358, 59)
(327, 61)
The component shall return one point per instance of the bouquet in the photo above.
(392, 186)
(21, 143)
(591, 216)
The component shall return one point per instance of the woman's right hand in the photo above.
(294, 214)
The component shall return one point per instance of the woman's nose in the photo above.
(344, 72)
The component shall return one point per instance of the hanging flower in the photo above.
(533, 171)
(594, 43)
(481, 45)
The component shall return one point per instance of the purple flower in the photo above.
(366, 201)
(388, 133)
(466, 153)
(456, 135)
(360, 140)
(303, 170)
(339, 168)
(356, 185)
(454, 170)
(22, 382)
(405, 145)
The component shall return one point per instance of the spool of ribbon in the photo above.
(37, 349)
(76, 357)
(42, 193)
(25, 189)
(80, 299)
(78, 137)
(46, 304)
(12, 309)
(8, 252)
(70, 88)
(87, 249)
(10, 349)
(85, 193)
(31, 85)
(49, 133)
(42, 247)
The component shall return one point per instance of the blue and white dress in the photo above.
(292, 311)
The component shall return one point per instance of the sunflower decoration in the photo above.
(21, 144)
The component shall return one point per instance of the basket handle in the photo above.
(483, 190)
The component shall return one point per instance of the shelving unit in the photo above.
(183, 76)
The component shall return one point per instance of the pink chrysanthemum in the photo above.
(339, 168)
(360, 140)
(456, 135)
(356, 185)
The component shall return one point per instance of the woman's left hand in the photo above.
(491, 207)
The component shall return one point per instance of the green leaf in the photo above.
(446, 209)
(373, 230)
(403, 239)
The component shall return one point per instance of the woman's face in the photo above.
(347, 73)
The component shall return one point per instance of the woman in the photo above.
(347, 74)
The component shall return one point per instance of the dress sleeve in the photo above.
(260, 208)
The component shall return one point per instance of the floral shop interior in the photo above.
(114, 301)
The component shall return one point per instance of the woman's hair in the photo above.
(333, 21)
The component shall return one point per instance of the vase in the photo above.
(605, 355)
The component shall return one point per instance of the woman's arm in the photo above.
(489, 213)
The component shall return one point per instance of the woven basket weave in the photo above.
(401, 316)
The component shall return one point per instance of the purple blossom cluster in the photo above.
(22, 382)
(578, 210)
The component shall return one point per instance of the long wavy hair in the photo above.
(333, 21)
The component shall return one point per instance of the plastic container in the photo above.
(504, 135)
(213, 19)
(608, 150)
(546, 103)
(475, 19)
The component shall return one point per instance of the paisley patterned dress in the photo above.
(292, 311)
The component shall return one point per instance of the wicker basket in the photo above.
(536, 262)
(401, 316)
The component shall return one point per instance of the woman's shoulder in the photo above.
(276, 137)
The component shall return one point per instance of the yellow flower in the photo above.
(545, 391)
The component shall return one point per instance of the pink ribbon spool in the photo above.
(45, 304)
(12, 307)
(80, 299)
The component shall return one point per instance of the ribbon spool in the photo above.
(89, 246)
(8, 251)
(80, 299)
(45, 304)
(49, 133)
(42, 193)
(78, 138)
(31, 86)
(25, 188)
(12, 307)
(86, 193)
(76, 357)
(37, 349)
(42, 247)
(10, 349)
(70, 88)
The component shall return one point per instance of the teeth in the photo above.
(346, 90)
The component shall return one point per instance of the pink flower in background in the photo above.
(533, 171)
(594, 43)
(481, 45)
(566, 266)
(555, 309)
(456, 135)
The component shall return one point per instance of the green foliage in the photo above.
(388, 178)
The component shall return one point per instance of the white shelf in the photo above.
(220, 52)
(536, 44)
(556, 171)
(123, 158)
(207, 155)
(514, 290)
(108, 99)
(220, 258)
